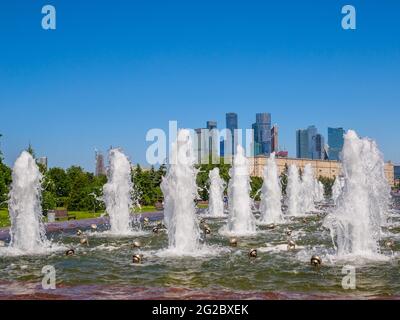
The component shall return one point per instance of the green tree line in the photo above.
(78, 190)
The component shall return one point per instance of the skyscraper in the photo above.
(262, 134)
(207, 142)
(310, 144)
(231, 125)
(274, 139)
(335, 142)
(396, 172)
(211, 125)
(302, 144)
(100, 168)
(319, 151)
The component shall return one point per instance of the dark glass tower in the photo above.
(231, 125)
(262, 134)
(335, 142)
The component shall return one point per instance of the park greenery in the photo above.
(78, 190)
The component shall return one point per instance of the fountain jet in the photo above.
(271, 194)
(180, 190)
(293, 192)
(217, 187)
(241, 220)
(307, 189)
(362, 207)
(337, 188)
(319, 191)
(27, 230)
(117, 193)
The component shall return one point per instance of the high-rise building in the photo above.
(302, 144)
(262, 134)
(335, 142)
(397, 172)
(274, 139)
(222, 148)
(207, 142)
(319, 152)
(211, 125)
(232, 126)
(310, 144)
(100, 167)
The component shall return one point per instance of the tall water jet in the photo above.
(271, 194)
(216, 199)
(27, 230)
(117, 193)
(307, 189)
(319, 191)
(337, 188)
(293, 192)
(362, 207)
(241, 219)
(180, 190)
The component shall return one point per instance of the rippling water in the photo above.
(104, 269)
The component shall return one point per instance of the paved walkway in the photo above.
(84, 223)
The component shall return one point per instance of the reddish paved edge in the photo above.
(32, 291)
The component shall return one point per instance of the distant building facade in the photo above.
(335, 142)
(322, 168)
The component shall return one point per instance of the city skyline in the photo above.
(90, 85)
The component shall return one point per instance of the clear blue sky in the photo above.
(114, 69)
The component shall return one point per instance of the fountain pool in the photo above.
(104, 269)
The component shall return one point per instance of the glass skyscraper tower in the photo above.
(232, 126)
(262, 134)
(310, 144)
(335, 142)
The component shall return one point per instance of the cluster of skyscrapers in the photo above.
(309, 143)
(210, 142)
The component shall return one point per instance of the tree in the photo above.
(31, 151)
(5, 181)
(328, 184)
(202, 179)
(256, 185)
